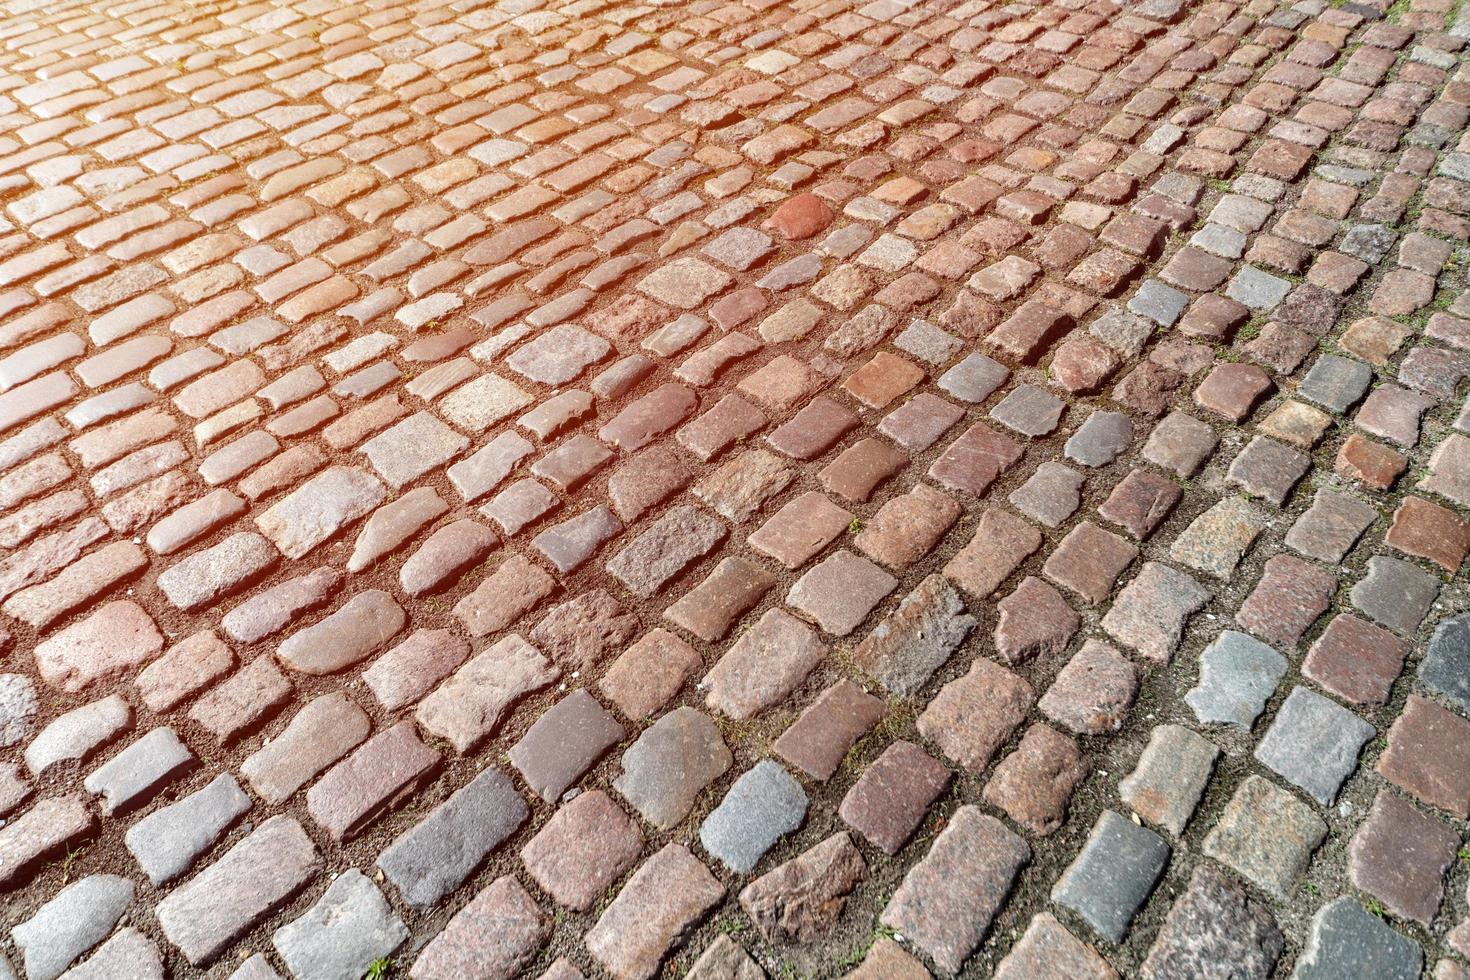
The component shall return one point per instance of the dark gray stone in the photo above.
(1446, 667)
(1111, 879)
(1336, 383)
(436, 855)
(1101, 439)
(1347, 943)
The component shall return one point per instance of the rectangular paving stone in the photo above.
(948, 900)
(663, 899)
(437, 854)
(204, 916)
(1113, 876)
(380, 772)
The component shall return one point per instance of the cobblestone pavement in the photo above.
(769, 488)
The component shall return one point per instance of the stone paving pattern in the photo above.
(883, 489)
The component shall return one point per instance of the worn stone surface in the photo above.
(1212, 924)
(764, 804)
(78, 918)
(1113, 875)
(670, 764)
(1170, 778)
(800, 900)
(1267, 835)
(495, 935)
(1346, 941)
(347, 930)
(438, 853)
(585, 847)
(947, 901)
(249, 881)
(467, 707)
(667, 895)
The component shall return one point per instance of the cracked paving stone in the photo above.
(801, 900)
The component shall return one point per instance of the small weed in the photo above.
(855, 525)
(1375, 907)
(1311, 889)
(379, 969)
(733, 925)
(1464, 854)
(66, 864)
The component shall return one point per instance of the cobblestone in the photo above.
(546, 374)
